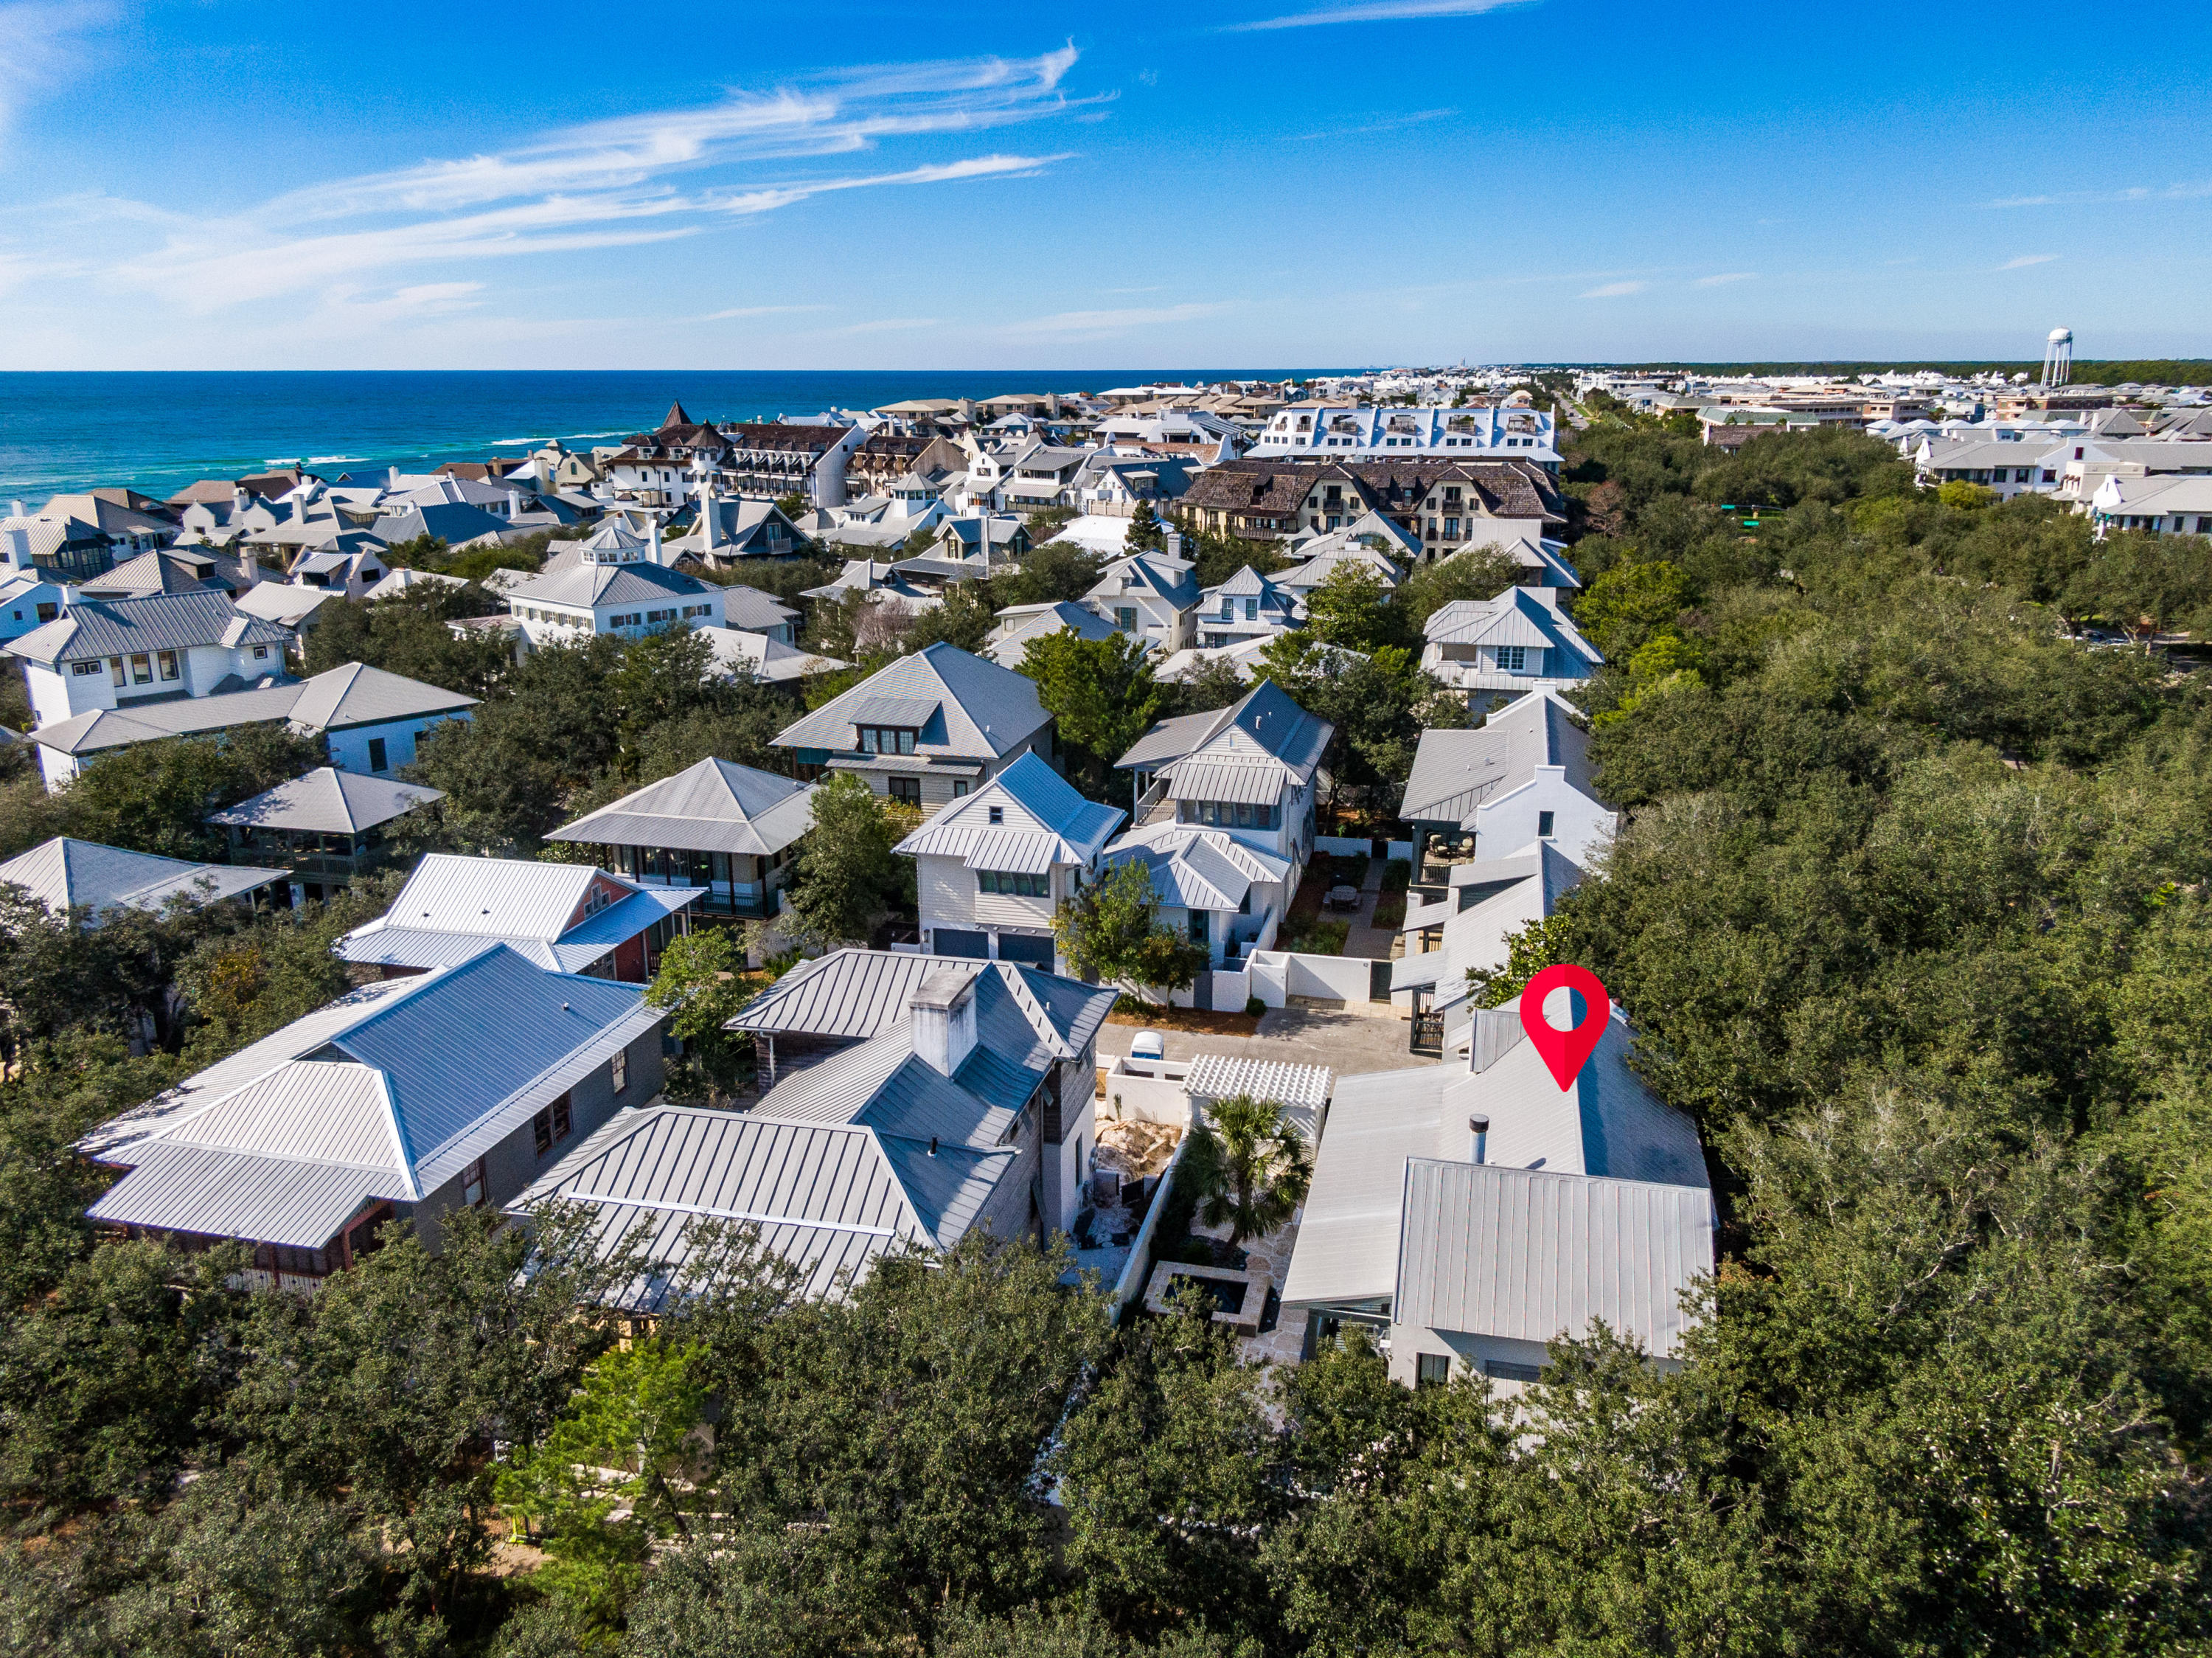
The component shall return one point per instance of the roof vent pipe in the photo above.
(933, 1145)
(1481, 1128)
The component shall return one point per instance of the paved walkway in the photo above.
(1364, 938)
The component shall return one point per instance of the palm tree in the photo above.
(1252, 1168)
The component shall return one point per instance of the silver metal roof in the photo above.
(1527, 1255)
(168, 621)
(987, 711)
(452, 906)
(716, 806)
(329, 801)
(63, 872)
(1043, 821)
(1455, 771)
(1265, 726)
(848, 993)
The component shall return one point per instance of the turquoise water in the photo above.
(157, 432)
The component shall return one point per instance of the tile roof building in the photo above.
(401, 1101)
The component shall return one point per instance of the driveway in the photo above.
(1349, 1042)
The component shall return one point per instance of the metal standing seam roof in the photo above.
(359, 695)
(587, 586)
(750, 609)
(63, 873)
(987, 710)
(1514, 617)
(451, 907)
(848, 993)
(823, 1196)
(1524, 888)
(165, 621)
(1264, 725)
(398, 1091)
(1527, 1255)
(1456, 770)
(327, 801)
(716, 806)
(1254, 783)
(1044, 822)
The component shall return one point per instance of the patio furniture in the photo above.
(1343, 898)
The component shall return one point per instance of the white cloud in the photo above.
(2026, 260)
(2188, 190)
(886, 325)
(37, 46)
(1385, 123)
(1615, 290)
(634, 180)
(759, 311)
(1721, 279)
(1372, 11)
(1102, 322)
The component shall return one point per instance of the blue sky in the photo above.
(222, 185)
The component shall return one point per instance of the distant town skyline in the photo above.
(875, 186)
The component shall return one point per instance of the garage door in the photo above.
(975, 946)
(1033, 952)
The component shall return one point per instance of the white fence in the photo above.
(1145, 1091)
(1277, 976)
(1346, 846)
(1131, 1284)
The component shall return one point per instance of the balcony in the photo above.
(311, 863)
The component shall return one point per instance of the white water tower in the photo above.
(2058, 358)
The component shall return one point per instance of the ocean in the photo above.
(158, 432)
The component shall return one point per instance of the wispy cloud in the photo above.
(1106, 322)
(1615, 290)
(759, 311)
(1721, 279)
(1372, 11)
(1387, 124)
(886, 325)
(636, 180)
(2026, 260)
(2192, 191)
(38, 40)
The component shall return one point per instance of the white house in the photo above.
(616, 586)
(1523, 775)
(1216, 889)
(114, 653)
(1246, 606)
(929, 729)
(2171, 505)
(1516, 642)
(1468, 1215)
(1017, 624)
(1251, 770)
(991, 868)
(1488, 900)
(1149, 596)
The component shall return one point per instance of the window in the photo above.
(1512, 659)
(1507, 1370)
(473, 1184)
(998, 815)
(1009, 884)
(959, 788)
(541, 1131)
(46, 612)
(908, 789)
(115, 670)
(618, 1069)
(1451, 529)
(1251, 610)
(1431, 1369)
(1543, 825)
(887, 739)
(1228, 614)
(561, 1122)
(92, 667)
(1198, 918)
(1126, 619)
(377, 760)
(142, 668)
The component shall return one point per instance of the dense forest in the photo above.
(1910, 907)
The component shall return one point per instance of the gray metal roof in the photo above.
(755, 612)
(349, 696)
(329, 801)
(716, 806)
(359, 695)
(824, 1197)
(1265, 729)
(165, 621)
(400, 1090)
(1197, 868)
(848, 993)
(1455, 771)
(984, 711)
(1527, 1255)
(1609, 1124)
(1514, 617)
(587, 586)
(452, 906)
(1044, 822)
(63, 872)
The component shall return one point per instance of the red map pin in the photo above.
(1565, 1051)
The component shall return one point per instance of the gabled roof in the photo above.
(1197, 869)
(1490, 899)
(1456, 771)
(388, 1093)
(169, 621)
(755, 611)
(63, 873)
(152, 573)
(1044, 821)
(356, 694)
(846, 993)
(980, 710)
(452, 906)
(716, 806)
(1514, 617)
(740, 655)
(1265, 733)
(1011, 647)
(585, 586)
(1174, 581)
(328, 801)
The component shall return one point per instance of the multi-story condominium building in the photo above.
(1331, 432)
(1441, 504)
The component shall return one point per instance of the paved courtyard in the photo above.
(1349, 1042)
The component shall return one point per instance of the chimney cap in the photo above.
(1479, 1123)
(945, 987)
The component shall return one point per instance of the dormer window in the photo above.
(888, 739)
